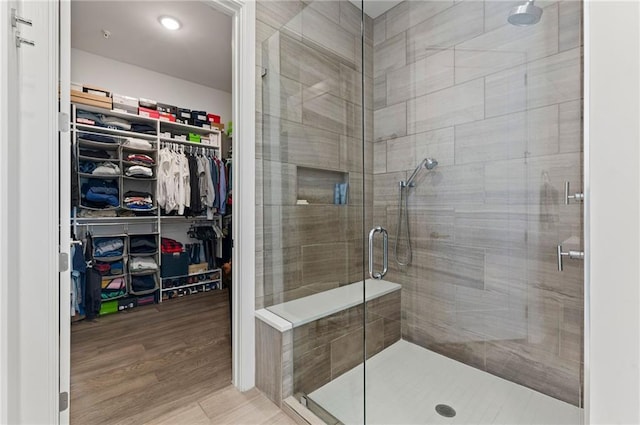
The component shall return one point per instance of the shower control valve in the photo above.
(574, 255)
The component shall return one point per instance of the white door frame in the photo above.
(244, 202)
(243, 111)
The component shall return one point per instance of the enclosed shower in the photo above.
(449, 284)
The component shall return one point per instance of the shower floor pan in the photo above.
(406, 382)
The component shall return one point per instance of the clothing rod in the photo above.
(72, 242)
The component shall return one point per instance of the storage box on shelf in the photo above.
(126, 104)
(91, 95)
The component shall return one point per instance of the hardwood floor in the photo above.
(166, 363)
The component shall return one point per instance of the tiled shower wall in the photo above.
(500, 108)
(309, 124)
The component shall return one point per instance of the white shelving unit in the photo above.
(155, 220)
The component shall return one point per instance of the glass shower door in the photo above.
(477, 159)
(315, 182)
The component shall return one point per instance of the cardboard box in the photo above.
(167, 109)
(166, 117)
(120, 99)
(217, 125)
(194, 138)
(213, 118)
(200, 123)
(184, 115)
(90, 99)
(199, 115)
(149, 113)
(148, 104)
(125, 109)
(95, 90)
(198, 268)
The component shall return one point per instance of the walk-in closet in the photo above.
(151, 207)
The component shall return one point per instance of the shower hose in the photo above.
(403, 216)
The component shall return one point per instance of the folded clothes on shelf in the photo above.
(89, 118)
(113, 288)
(100, 193)
(138, 200)
(106, 269)
(108, 247)
(97, 153)
(171, 246)
(117, 267)
(143, 283)
(86, 167)
(97, 138)
(107, 169)
(139, 171)
(143, 244)
(143, 128)
(102, 268)
(116, 123)
(140, 264)
(141, 159)
(92, 214)
(132, 142)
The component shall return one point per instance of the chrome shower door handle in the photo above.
(385, 253)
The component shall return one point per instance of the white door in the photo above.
(32, 212)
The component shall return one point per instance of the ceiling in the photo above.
(375, 8)
(199, 52)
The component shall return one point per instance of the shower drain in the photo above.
(446, 411)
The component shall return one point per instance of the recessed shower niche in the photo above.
(317, 186)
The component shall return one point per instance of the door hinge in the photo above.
(63, 261)
(63, 401)
(63, 122)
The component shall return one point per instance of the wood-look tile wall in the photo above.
(500, 107)
(309, 118)
(328, 347)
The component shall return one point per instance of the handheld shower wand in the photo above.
(403, 217)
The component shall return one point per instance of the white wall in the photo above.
(613, 72)
(135, 81)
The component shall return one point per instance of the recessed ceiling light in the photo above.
(170, 23)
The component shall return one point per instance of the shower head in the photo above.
(525, 14)
(428, 163)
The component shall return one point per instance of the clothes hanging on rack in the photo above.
(78, 283)
(189, 181)
(93, 286)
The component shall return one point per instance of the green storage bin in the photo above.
(109, 307)
(194, 138)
